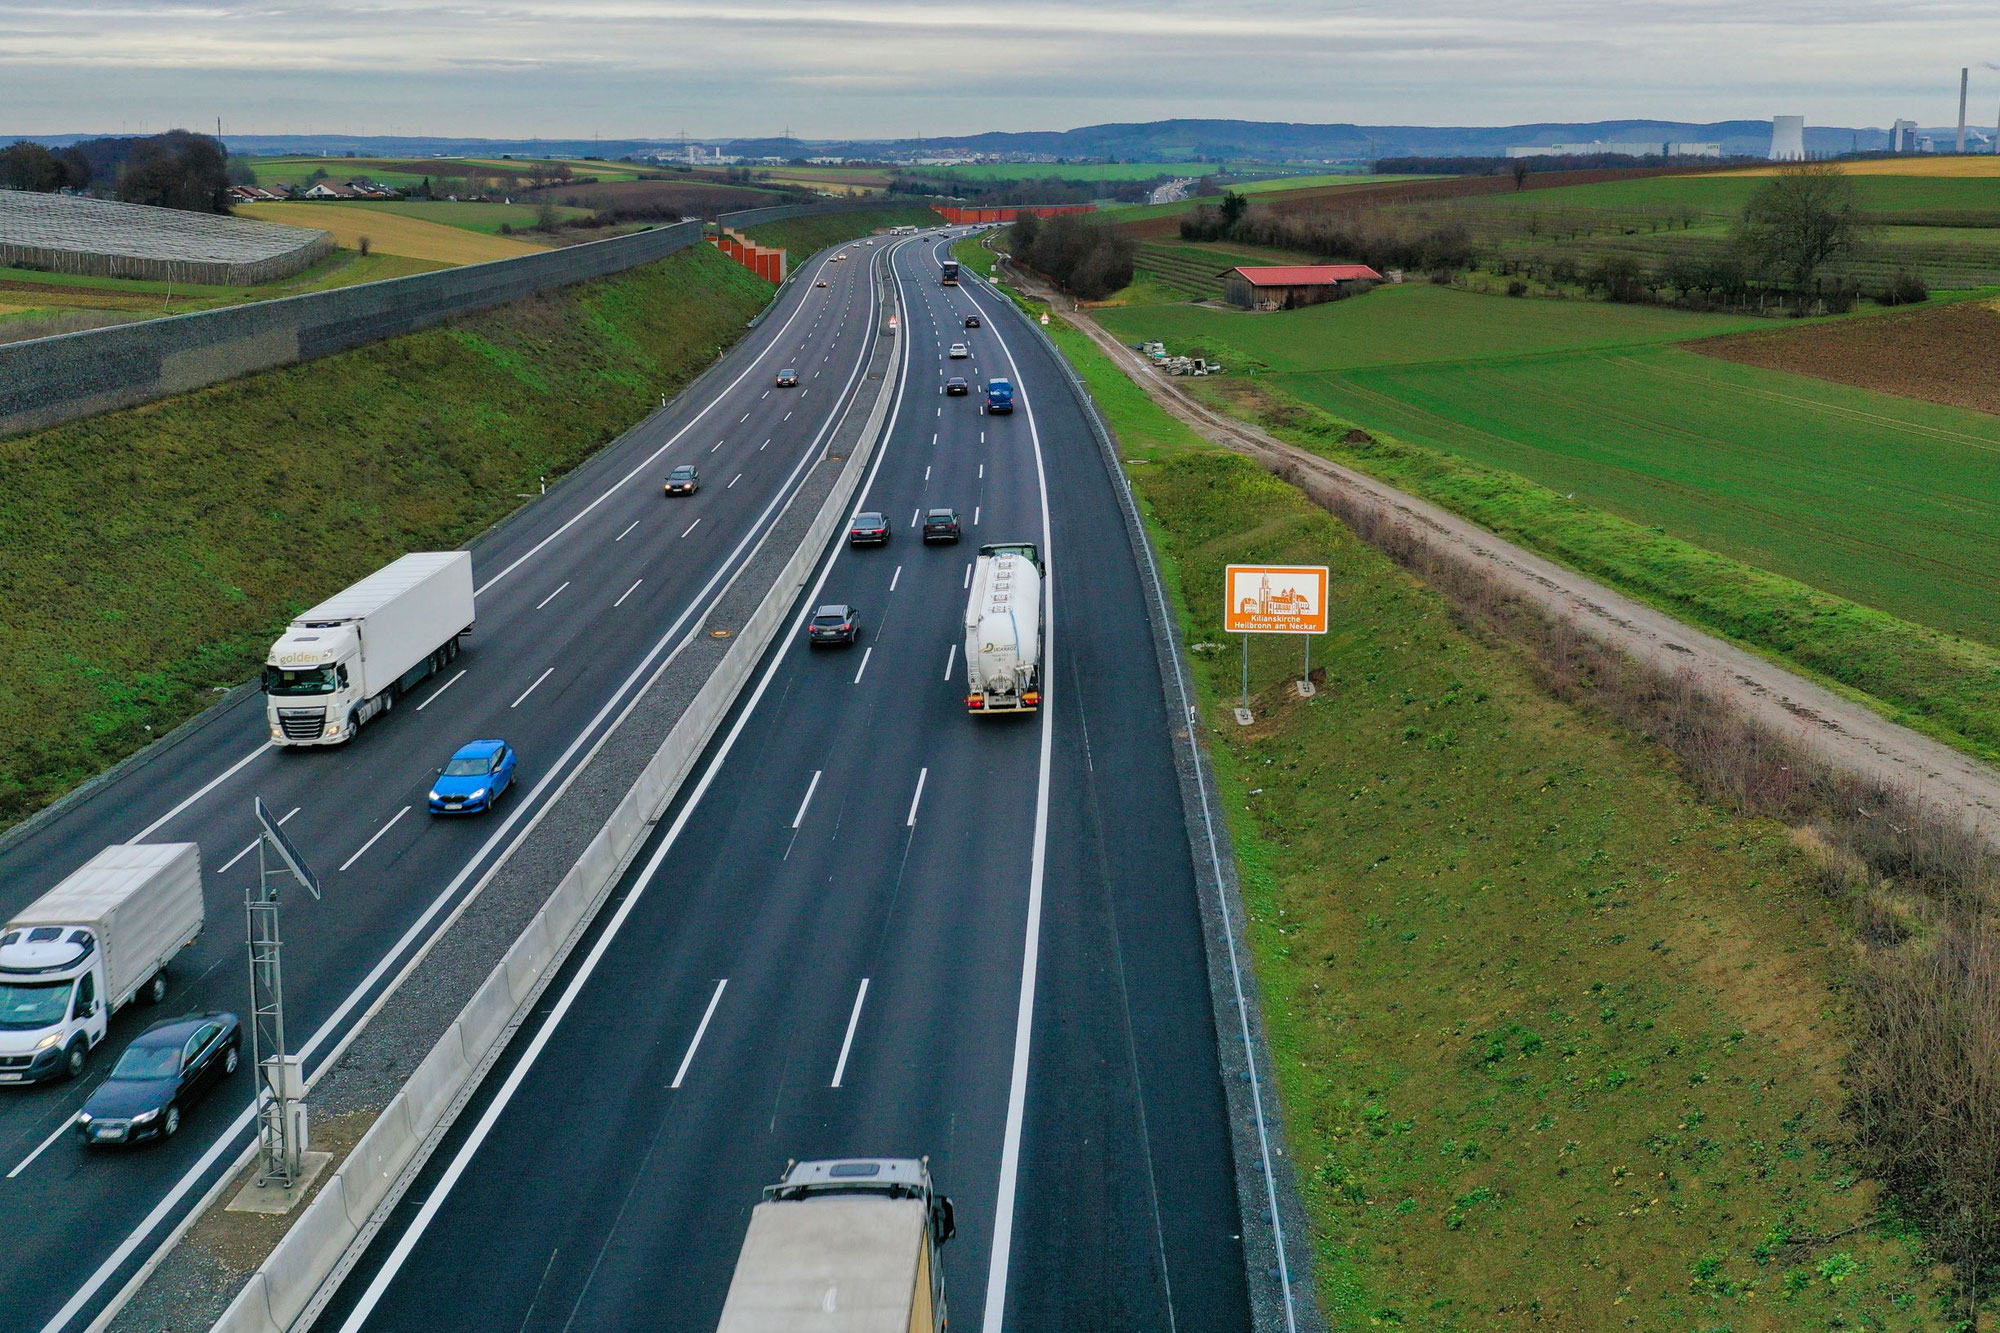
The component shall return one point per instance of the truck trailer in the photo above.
(86, 948)
(847, 1246)
(1003, 631)
(347, 659)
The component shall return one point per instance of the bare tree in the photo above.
(1799, 221)
(1520, 170)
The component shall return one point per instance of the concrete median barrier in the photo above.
(302, 1271)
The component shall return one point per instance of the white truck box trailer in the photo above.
(86, 947)
(347, 659)
(1003, 631)
(843, 1247)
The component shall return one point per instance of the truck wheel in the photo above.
(353, 723)
(451, 648)
(156, 989)
(75, 1057)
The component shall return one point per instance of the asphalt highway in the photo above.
(580, 597)
(878, 926)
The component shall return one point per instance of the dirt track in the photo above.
(1841, 732)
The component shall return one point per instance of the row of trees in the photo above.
(1087, 258)
(1382, 240)
(177, 169)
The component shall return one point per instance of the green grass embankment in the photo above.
(976, 254)
(148, 556)
(1557, 1044)
(804, 237)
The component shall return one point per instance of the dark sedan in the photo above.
(835, 622)
(972, 321)
(163, 1072)
(683, 480)
(868, 529)
(956, 387)
(941, 525)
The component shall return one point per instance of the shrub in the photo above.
(1904, 288)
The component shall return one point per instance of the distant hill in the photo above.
(1150, 141)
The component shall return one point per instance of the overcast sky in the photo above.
(887, 68)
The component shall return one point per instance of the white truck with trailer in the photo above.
(847, 1246)
(344, 661)
(86, 948)
(1003, 631)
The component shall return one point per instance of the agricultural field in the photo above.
(1071, 171)
(1554, 1038)
(486, 219)
(406, 171)
(1930, 353)
(1850, 533)
(394, 233)
(801, 238)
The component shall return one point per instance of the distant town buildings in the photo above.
(1627, 148)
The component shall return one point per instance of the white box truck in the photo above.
(1003, 631)
(86, 947)
(348, 658)
(845, 1246)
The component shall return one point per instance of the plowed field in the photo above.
(1942, 355)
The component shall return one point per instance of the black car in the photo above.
(941, 525)
(835, 622)
(869, 529)
(683, 480)
(165, 1069)
(788, 378)
(956, 387)
(972, 321)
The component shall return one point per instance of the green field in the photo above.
(801, 238)
(1727, 194)
(1557, 1044)
(1071, 171)
(487, 218)
(147, 556)
(1852, 534)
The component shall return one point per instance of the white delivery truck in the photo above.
(845, 1246)
(86, 948)
(348, 658)
(1003, 631)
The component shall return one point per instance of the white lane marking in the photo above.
(199, 792)
(765, 394)
(627, 593)
(628, 531)
(1024, 1018)
(552, 596)
(692, 526)
(393, 821)
(447, 685)
(982, 437)
(481, 1131)
(788, 416)
(934, 439)
(645, 463)
(975, 516)
(699, 1033)
(893, 578)
(733, 480)
(910, 821)
(70, 1121)
(811, 787)
(864, 662)
(915, 514)
(927, 474)
(713, 447)
(950, 660)
(847, 1042)
(982, 472)
(251, 846)
(746, 415)
(531, 689)
(762, 447)
(968, 577)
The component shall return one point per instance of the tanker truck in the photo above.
(1003, 631)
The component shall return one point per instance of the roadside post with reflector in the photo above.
(1273, 599)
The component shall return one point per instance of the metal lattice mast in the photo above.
(280, 1088)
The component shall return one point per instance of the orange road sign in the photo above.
(1274, 599)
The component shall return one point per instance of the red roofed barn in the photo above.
(1288, 286)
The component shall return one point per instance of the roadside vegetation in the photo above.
(147, 556)
(1560, 1035)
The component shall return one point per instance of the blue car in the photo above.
(161, 1073)
(474, 778)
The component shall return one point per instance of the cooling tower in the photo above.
(1788, 138)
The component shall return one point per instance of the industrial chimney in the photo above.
(1788, 138)
(1964, 76)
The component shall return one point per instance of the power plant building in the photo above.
(1788, 138)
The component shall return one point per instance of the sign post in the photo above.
(1273, 599)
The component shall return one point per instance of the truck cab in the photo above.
(312, 678)
(52, 1002)
(843, 1246)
